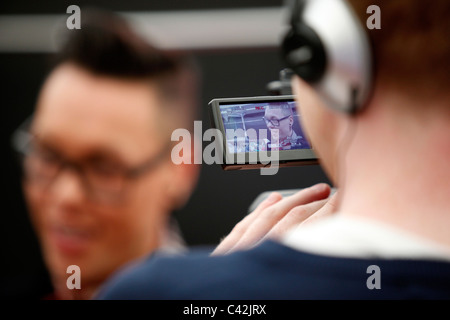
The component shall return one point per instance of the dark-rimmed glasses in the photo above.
(102, 182)
(274, 122)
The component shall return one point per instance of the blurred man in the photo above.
(99, 181)
(389, 156)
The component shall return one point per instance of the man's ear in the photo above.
(184, 179)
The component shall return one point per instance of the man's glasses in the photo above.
(274, 122)
(103, 181)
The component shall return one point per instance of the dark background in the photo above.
(221, 198)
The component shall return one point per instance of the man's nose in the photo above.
(68, 187)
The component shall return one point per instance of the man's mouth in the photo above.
(70, 239)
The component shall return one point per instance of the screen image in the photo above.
(262, 126)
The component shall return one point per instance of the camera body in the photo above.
(260, 132)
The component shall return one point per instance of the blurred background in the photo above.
(235, 43)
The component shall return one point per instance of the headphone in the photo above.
(328, 47)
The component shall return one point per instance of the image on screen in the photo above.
(262, 126)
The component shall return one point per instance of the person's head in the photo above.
(279, 117)
(99, 182)
(409, 92)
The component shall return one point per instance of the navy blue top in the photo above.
(275, 271)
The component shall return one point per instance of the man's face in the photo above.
(109, 124)
(284, 129)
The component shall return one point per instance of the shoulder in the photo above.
(275, 271)
(195, 274)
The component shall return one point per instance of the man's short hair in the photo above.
(106, 45)
(286, 110)
(412, 48)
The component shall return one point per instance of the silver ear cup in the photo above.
(345, 81)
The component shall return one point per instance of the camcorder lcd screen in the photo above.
(258, 130)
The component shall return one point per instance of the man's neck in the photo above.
(397, 171)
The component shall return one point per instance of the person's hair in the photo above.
(286, 110)
(107, 45)
(412, 48)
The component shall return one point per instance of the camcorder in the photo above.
(260, 132)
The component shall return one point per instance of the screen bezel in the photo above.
(296, 157)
